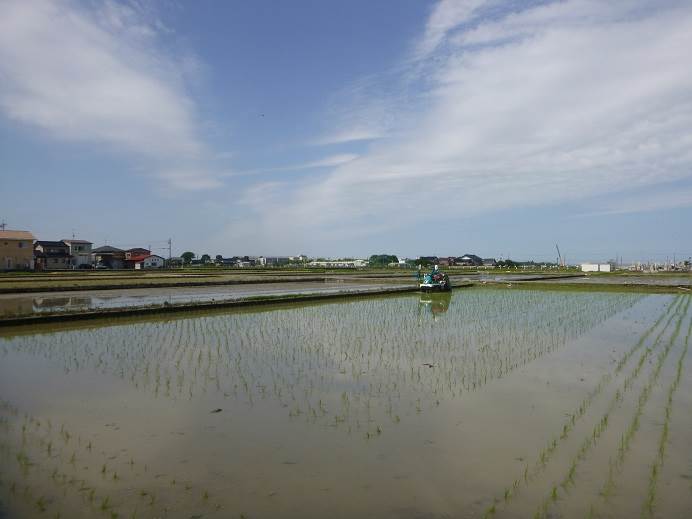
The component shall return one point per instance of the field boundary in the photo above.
(197, 306)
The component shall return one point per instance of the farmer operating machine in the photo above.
(434, 281)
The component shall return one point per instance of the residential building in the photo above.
(489, 262)
(52, 255)
(132, 256)
(107, 256)
(80, 250)
(16, 251)
(137, 251)
(469, 260)
(152, 261)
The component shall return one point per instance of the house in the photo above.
(80, 250)
(151, 261)
(469, 260)
(16, 250)
(489, 262)
(51, 255)
(134, 255)
(137, 251)
(446, 262)
(108, 256)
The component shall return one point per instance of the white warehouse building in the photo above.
(596, 267)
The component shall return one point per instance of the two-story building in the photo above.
(51, 255)
(80, 250)
(16, 251)
(108, 257)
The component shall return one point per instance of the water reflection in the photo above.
(337, 364)
(434, 304)
(225, 413)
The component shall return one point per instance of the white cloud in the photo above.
(558, 102)
(445, 17)
(96, 75)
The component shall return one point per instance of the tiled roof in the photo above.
(45, 243)
(78, 241)
(16, 235)
(105, 249)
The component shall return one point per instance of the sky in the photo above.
(345, 129)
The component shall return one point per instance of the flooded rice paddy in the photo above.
(15, 305)
(480, 403)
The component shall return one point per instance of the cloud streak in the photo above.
(98, 76)
(557, 102)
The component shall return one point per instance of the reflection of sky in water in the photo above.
(384, 407)
(66, 302)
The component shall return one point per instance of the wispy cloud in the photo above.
(98, 75)
(529, 107)
(326, 162)
(647, 201)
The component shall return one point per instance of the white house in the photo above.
(150, 262)
(80, 250)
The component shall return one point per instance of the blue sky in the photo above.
(351, 128)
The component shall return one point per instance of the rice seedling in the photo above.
(346, 370)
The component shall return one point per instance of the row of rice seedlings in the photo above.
(34, 452)
(532, 471)
(601, 426)
(626, 439)
(302, 357)
(657, 465)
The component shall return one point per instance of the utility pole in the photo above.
(169, 249)
(3, 225)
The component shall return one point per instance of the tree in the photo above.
(219, 258)
(206, 258)
(382, 260)
(187, 257)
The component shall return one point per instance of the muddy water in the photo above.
(479, 402)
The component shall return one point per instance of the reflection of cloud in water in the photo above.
(341, 363)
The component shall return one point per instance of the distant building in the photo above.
(596, 267)
(352, 264)
(175, 261)
(16, 251)
(52, 255)
(137, 251)
(276, 261)
(132, 256)
(470, 260)
(446, 262)
(151, 261)
(489, 262)
(80, 250)
(108, 256)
